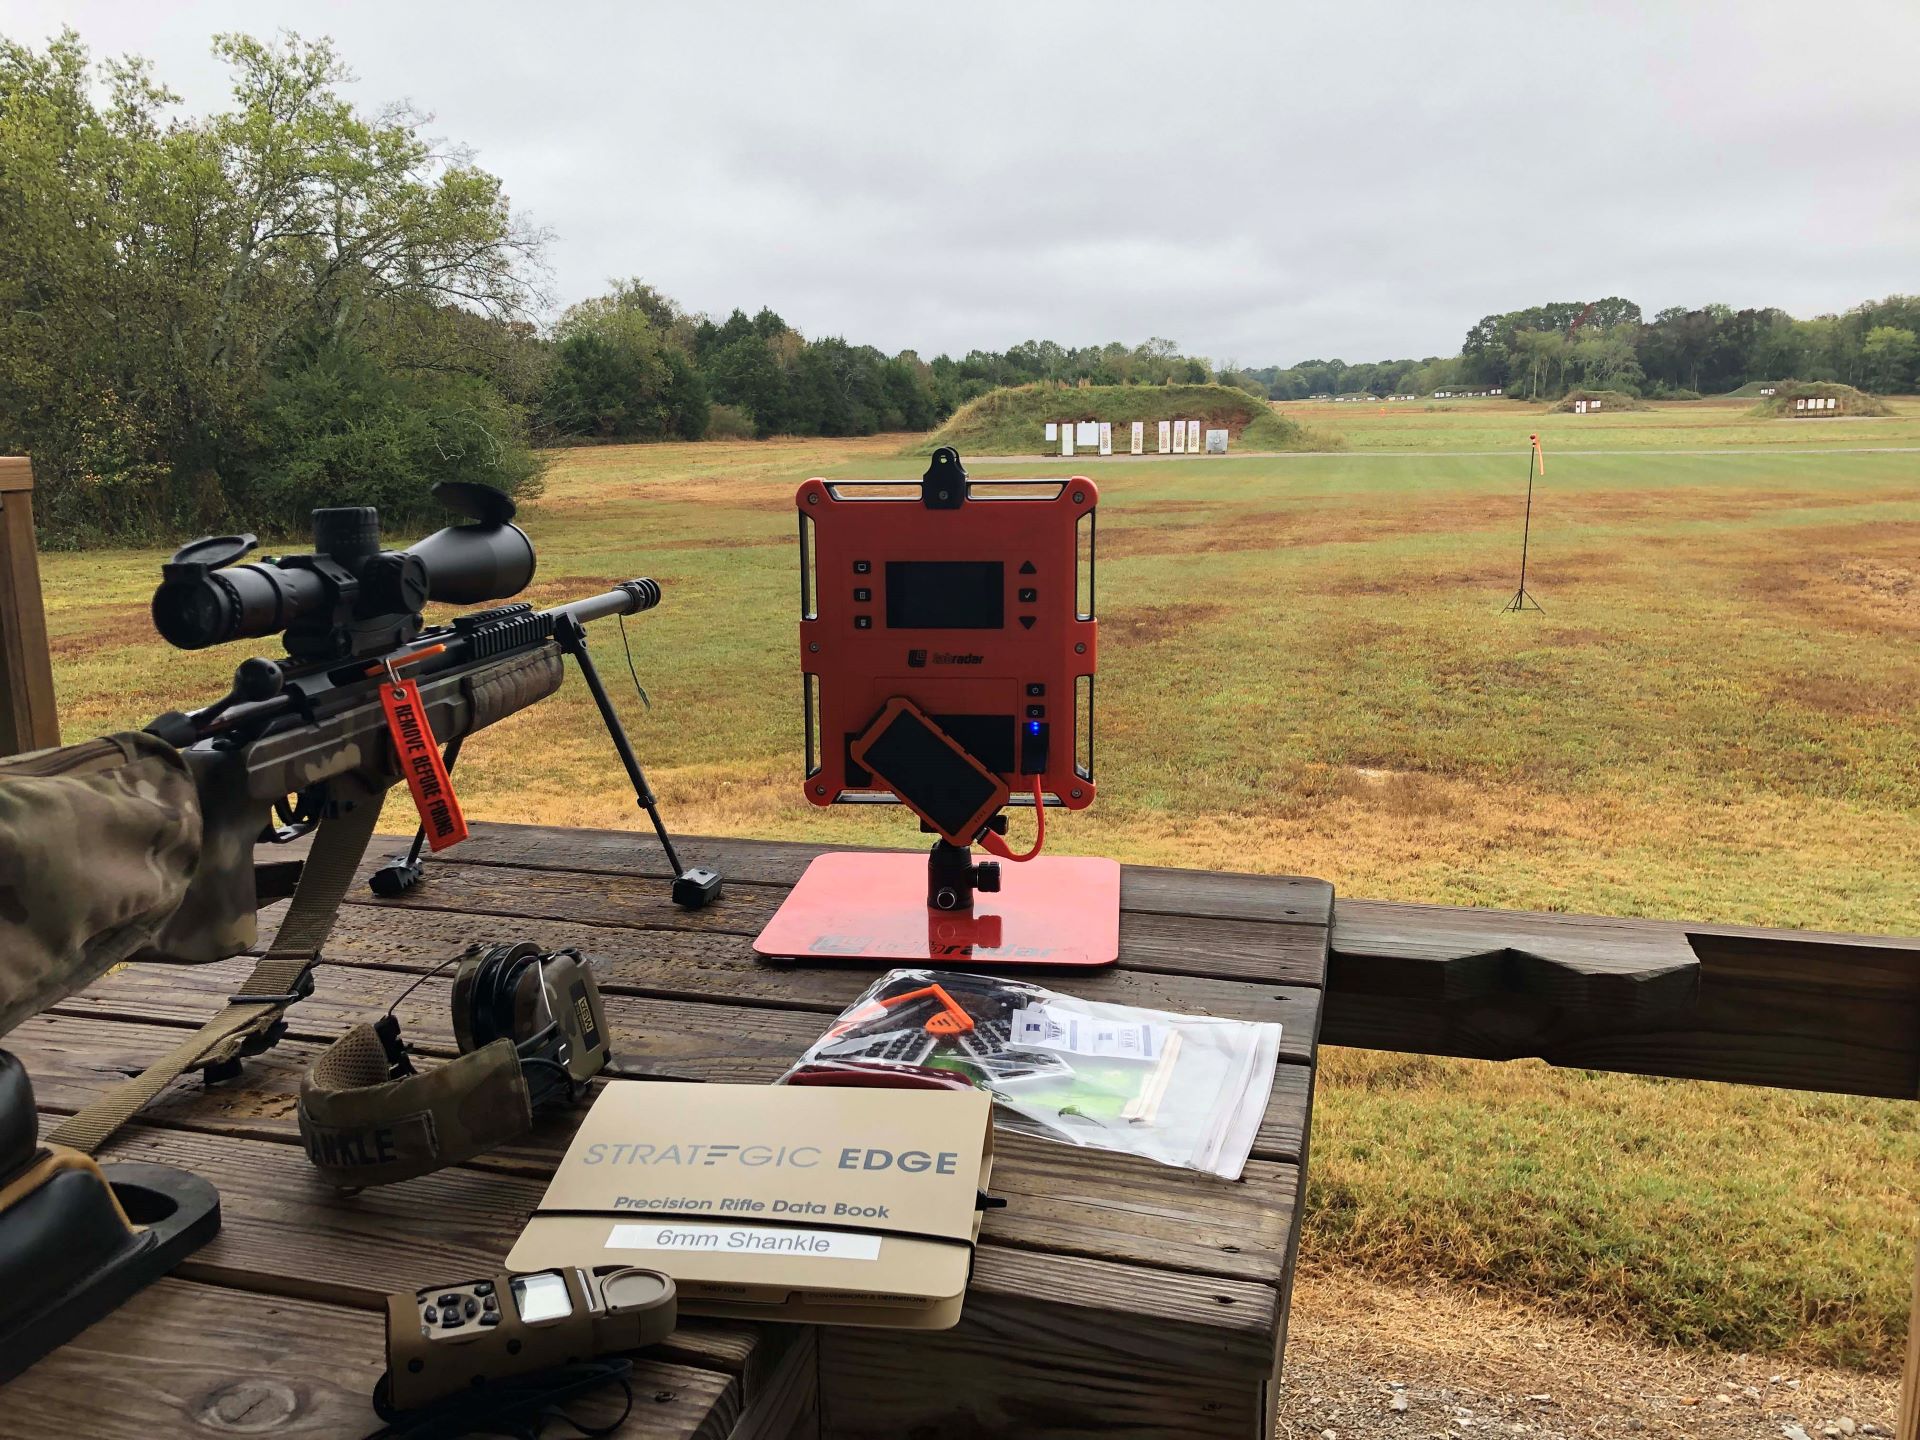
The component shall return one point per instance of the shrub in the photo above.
(341, 429)
(728, 422)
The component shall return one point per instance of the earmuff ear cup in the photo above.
(547, 1005)
(463, 1000)
(484, 991)
(574, 998)
(472, 994)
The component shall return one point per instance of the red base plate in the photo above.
(1058, 910)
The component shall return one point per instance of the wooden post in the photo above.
(27, 718)
(1908, 1427)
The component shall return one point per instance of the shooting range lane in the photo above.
(1111, 1292)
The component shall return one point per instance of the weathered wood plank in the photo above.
(1907, 1425)
(1077, 1365)
(72, 1058)
(658, 1039)
(286, 1231)
(709, 966)
(1225, 949)
(1769, 1007)
(28, 719)
(786, 1404)
(1144, 889)
(1437, 953)
(184, 1358)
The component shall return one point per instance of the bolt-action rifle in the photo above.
(310, 743)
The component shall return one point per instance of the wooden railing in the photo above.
(1788, 1008)
(27, 718)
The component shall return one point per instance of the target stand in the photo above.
(948, 645)
(857, 906)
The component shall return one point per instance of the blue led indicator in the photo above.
(1033, 727)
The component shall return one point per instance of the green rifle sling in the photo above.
(338, 846)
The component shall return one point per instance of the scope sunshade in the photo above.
(531, 1031)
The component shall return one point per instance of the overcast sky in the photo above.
(1260, 182)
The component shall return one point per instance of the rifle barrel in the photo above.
(629, 597)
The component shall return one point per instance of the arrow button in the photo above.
(1026, 568)
(1026, 622)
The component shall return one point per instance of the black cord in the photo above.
(521, 1407)
(421, 980)
(638, 687)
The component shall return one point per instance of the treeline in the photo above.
(631, 365)
(219, 322)
(1547, 350)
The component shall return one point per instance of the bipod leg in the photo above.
(695, 888)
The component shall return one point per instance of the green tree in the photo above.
(1535, 354)
(622, 369)
(159, 275)
(1887, 356)
(745, 374)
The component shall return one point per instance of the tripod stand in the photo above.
(1521, 599)
(693, 889)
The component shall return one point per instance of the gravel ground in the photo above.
(1367, 1361)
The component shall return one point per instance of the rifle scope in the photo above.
(349, 597)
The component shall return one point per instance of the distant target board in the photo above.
(1138, 443)
(1053, 431)
(1193, 436)
(1216, 442)
(1106, 437)
(1179, 437)
(1166, 437)
(1066, 439)
(1086, 433)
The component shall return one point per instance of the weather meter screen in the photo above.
(946, 595)
(542, 1297)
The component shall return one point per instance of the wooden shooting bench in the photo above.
(1111, 1294)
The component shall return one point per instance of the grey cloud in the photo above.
(1259, 181)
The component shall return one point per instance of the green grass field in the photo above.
(1305, 669)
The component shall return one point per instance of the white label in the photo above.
(1045, 1028)
(744, 1240)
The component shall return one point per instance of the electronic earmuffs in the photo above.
(531, 1032)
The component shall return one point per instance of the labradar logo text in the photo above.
(919, 659)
